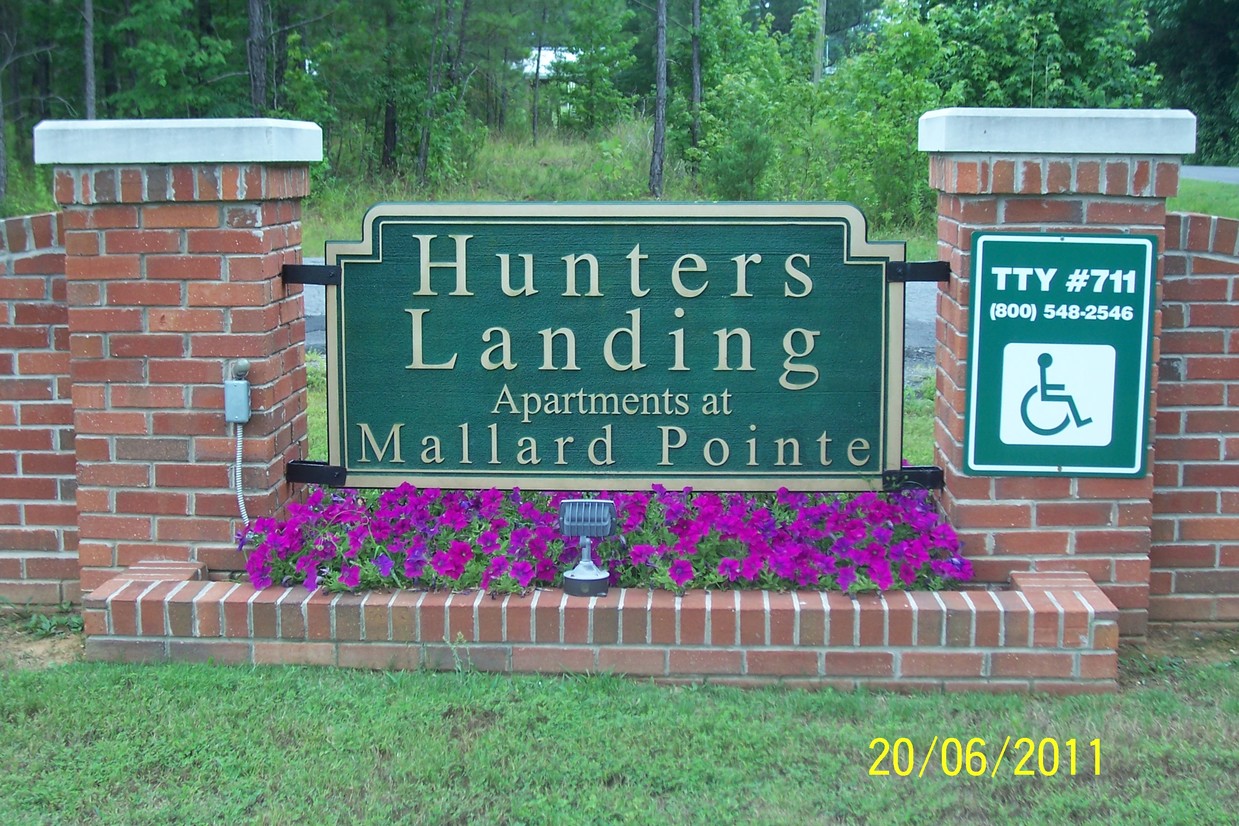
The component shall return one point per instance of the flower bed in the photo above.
(509, 541)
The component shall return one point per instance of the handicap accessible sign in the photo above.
(1059, 356)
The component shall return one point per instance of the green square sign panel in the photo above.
(1061, 342)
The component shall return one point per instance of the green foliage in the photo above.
(42, 624)
(1195, 44)
(52, 625)
(173, 66)
(873, 104)
(590, 95)
(29, 189)
(743, 76)
(1044, 52)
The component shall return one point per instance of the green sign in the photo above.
(1062, 330)
(614, 346)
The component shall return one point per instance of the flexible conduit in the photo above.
(239, 430)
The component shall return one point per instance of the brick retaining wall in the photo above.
(1048, 632)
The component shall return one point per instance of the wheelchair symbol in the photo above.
(1052, 393)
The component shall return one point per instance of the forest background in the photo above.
(610, 99)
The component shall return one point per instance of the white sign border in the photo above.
(971, 467)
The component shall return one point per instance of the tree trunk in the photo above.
(438, 47)
(256, 56)
(388, 160)
(390, 135)
(4, 148)
(458, 59)
(88, 57)
(695, 130)
(660, 102)
(537, 74)
(110, 81)
(819, 44)
(280, 59)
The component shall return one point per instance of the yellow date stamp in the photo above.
(978, 757)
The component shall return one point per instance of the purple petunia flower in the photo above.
(522, 572)
(681, 572)
(385, 564)
(350, 576)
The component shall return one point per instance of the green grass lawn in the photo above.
(102, 743)
(1206, 197)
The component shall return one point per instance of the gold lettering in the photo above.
(433, 454)
(707, 452)
(858, 446)
(548, 353)
(393, 439)
(423, 287)
(634, 336)
(570, 262)
(699, 265)
(783, 443)
(790, 367)
(505, 275)
(605, 441)
(635, 274)
(418, 362)
(799, 275)
(504, 346)
(742, 263)
(560, 444)
(682, 436)
(528, 453)
(746, 348)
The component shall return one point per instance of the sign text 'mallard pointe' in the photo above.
(613, 346)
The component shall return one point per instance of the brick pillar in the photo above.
(1045, 170)
(175, 233)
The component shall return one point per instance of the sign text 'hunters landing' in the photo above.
(613, 346)
(1062, 331)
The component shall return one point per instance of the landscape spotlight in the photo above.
(589, 519)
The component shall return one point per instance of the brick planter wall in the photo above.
(1195, 554)
(1049, 632)
(38, 515)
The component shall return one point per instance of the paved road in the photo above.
(1219, 174)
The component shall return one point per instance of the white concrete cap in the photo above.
(1060, 131)
(213, 140)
